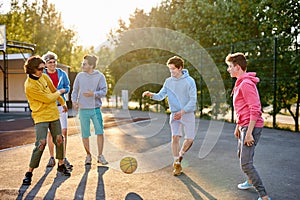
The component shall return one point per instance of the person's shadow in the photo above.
(79, 194)
(192, 186)
(35, 189)
(100, 193)
(133, 196)
(59, 179)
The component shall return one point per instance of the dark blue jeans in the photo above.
(246, 154)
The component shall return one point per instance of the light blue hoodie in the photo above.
(85, 82)
(181, 92)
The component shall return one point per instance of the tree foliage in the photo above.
(39, 23)
(228, 26)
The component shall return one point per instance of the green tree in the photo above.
(39, 23)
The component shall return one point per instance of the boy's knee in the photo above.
(176, 138)
(64, 133)
(42, 144)
(247, 167)
(190, 141)
(59, 139)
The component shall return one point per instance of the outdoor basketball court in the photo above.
(213, 177)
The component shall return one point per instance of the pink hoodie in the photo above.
(246, 100)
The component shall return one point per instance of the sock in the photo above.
(181, 153)
(176, 158)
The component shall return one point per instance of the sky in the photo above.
(93, 19)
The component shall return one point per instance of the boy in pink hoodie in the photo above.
(247, 105)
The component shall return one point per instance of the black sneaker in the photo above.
(27, 179)
(68, 164)
(63, 170)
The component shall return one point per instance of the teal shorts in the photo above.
(85, 117)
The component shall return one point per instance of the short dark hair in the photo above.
(237, 58)
(92, 60)
(32, 64)
(177, 61)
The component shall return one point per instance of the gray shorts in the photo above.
(186, 124)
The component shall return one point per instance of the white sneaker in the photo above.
(88, 160)
(102, 160)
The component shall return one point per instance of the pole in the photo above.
(274, 81)
(233, 83)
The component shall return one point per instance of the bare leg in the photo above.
(185, 147)
(64, 133)
(86, 144)
(50, 144)
(175, 145)
(100, 142)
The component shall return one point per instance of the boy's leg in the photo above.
(55, 129)
(175, 146)
(51, 162)
(84, 117)
(63, 118)
(99, 131)
(50, 144)
(64, 127)
(41, 130)
(188, 121)
(185, 147)
(176, 135)
(86, 145)
(246, 161)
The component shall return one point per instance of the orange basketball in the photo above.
(128, 165)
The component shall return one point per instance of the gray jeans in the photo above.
(246, 154)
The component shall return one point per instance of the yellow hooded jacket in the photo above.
(42, 96)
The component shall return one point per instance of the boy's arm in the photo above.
(66, 82)
(54, 90)
(74, 94)
(101, 88)
(36, 93)
(161, 95)
(191, 105)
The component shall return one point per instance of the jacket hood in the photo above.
(95, 72)
(249, 76)
(185, 73)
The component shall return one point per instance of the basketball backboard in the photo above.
(2, 37)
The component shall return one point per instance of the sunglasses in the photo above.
(51, 62)
(40, 69)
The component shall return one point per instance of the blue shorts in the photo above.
(85, 117)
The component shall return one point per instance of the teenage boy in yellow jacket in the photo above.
(42, 96)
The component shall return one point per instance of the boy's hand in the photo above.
(65, 108)
(237, 133)
(147, 94)
(178, 115)
(75, 106)
(89, 93)
(249, 140)
(62, 91)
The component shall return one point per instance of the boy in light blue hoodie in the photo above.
(88, 89)
(180, 88)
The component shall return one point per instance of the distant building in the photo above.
(16, 78)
